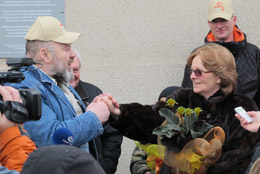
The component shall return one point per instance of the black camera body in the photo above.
(31, 108)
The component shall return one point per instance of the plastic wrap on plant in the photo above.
(197, 155)
(155, 155)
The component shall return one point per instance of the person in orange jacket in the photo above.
(15, 144)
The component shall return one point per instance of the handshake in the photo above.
(103, 106)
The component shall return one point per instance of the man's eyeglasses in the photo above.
(197, 72)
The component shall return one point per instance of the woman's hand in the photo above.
(111, 103)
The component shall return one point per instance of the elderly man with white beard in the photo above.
(49, 44)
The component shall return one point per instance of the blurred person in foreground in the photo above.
(15, 144)
(108, 145)
(61, 159)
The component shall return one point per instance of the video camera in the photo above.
(31, 98)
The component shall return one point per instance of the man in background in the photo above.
(224, 31)
(109, 144)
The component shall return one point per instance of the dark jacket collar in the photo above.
(81, 91)
(215, 98)
(233, 46)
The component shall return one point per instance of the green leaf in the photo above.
(168, 130)
(173, 127)
(201, 130)
(186, 124)
(190, 126)
(195, 134)
(204, 127)
(193, 119)
(169, 116)
(164, 132)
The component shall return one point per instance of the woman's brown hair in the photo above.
(220, 61)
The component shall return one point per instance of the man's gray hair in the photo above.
(34, 46)
(79, 56)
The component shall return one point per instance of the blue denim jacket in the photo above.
(4, 170)
(57, 112)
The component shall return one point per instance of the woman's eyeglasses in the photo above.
(197, 72)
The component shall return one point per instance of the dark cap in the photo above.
(168, 91)
(61, 159)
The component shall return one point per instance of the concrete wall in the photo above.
(135, 48)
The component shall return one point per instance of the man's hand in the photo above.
(111, 103)
(8, 94)
(254, 125)
(100, 109)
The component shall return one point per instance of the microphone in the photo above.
(62, 136)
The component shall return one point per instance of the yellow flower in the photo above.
(171, 102)
(180, 110)
(197, 110)
(188, 111)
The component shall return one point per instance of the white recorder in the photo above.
(239, 110)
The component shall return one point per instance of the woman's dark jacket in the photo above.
(137, 122)
(247, 57)
(108, 145)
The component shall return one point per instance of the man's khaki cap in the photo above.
(220, 9)
(48, 28)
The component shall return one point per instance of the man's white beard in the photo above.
(59, 72)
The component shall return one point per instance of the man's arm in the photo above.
(57, 113)
(4, 170)
(84, 127)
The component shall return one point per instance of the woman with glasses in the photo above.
(214, 77)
